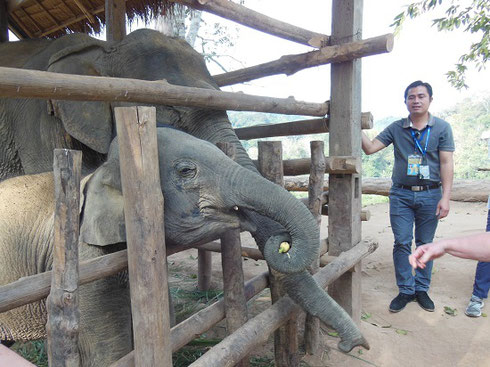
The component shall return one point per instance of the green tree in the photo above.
(471, 16)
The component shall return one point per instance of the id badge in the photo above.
(414, 161)
(424, 172)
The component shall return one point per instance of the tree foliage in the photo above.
(474, 17)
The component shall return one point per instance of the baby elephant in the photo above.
(205, 193)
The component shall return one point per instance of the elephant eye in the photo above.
(186, 169)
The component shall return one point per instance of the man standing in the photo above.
(423, 148)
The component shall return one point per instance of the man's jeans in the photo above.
(482, 275)
(406, 208)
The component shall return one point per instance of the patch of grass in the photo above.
(188, 302)
(373, 199)
(33, 351)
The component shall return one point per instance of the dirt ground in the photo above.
(413, 337)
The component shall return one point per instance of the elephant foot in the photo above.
(347, 345)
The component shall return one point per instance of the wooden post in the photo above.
(4, 22)
(345, 139)
(62, 304)
(115, 19)
(233, 280)
(286, 337)
(143, 211)
(315, 194)
(204, 265)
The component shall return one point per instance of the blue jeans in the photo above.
(482, 276)
(406, 208)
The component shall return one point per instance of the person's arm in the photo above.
(447, 169)
(371, 146)
(476, 247)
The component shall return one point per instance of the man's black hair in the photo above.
(418, 83)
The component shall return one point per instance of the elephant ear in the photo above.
(102, 207)
(89, 122)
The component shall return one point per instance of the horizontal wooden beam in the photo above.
(250, 18)
(251, 252)
(20, 83)
(333, 165)
(291, 64)
(301, 127)
(36, 287)
(201, 321)
(257, 330)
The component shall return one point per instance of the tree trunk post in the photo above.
(315, 193)
(286, 337)
(143, 211)
(204, 271)
(233, 279)
(4, 22)
(115, 20)
(344, 220)
(62, 304)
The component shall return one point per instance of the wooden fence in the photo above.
(154, 339)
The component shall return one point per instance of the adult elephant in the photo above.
(205, 193)
(31, 128)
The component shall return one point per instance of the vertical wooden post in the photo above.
(344, 214)
(143, 211)
(62, 304)
(286, 337)
(233, 280)
(4, 22)
(315, 193)
(204, 265)
(115, 19)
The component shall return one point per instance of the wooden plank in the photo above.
(257, 330)
(258, 21)
(85, 12)
(315, 203)
(115, 20)
(18, 83)
(270, 165)
(201, 321)
(301, 127)
(143, 212)
(290, 64)
(333, 165)
(344, 220)
(62, 304)
(70, 21)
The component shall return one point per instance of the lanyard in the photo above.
(417, 141)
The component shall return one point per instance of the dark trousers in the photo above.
(482, 275)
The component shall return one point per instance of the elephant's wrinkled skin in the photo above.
(30, 129)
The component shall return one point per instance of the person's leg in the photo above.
(401, 219)
(425, 228)
(481, 285)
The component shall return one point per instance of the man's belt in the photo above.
(419, 187)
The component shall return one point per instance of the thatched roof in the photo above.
(53, 18)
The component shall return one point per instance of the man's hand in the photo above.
(442, 208)
(425, 253)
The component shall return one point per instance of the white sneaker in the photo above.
(474, 307)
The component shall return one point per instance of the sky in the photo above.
(420, 53)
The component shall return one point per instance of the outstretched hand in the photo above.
(425, 253)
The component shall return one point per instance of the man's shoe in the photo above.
(424, 301)
(400, 301)
(474, 307)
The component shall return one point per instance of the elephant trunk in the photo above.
(254, 193)
(306, 292)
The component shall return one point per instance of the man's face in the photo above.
(418, 100)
